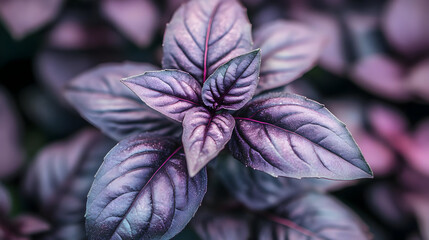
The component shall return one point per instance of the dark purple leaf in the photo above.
(289, 135)
(418, 81)
(381, 75)
(23, 17)
(105, 102)
(143, 191)
(233, 84)
(405, 24)
(137, 19)
(212, 225)
(5, 202)
(289, 49)
(62, 174)
(171, 92)
(29, 225)
(258, 190)
(312, 216)
(203, 35)
(11, 154)
(205, 134)
(71, 231)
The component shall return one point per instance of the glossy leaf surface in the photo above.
(136, 19)
(205, 134)
(104, 101)
(258, 190)
(233, 84)
(143, 191)
(289, 135)
(203, 35)
(289, 49)
(170, 92)
(11, 157)
(62, 174)
(312, 216)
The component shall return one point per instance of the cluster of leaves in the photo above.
(150, 185)
(221, 128)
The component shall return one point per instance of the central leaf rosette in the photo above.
(203, 110)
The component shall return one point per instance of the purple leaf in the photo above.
(420, 206)
(381, 75)
(11, 157)
(205, 134)
(171, 92)
(105, 102)
(23, 17)
(212, 225)
(405, 24)
(312, 216)
(203, 35)
(258, 190)
(60, 177)
(289, 49)
(289, 135)
(418, 80)
(333, 57)
(5, 202)
(137, 19)
(29, 225)
(143, 191)
(233, 84)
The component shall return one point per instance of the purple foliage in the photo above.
(11, 157)
(139, 172)
(61, 176)
(23, 17)
(289, 49)
(104, 101)
(291, 136)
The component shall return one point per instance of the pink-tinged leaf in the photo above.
(29, 225)
(143, 191)
(203, 35)
(291, 136)
(59, 179)
(11, 152)
(233, 84)
(413, 181)
(170, 92)
(103, 100)
(419, 204)
(258, 190)
(415, 148)
(333, 57)
(381, 75)
(211, 225)
(379, 156)
(77, 31)
(312, 216)
(387, 122)
(418, 80)
(205, 134)
(23, 17)
(136, 19)
(289, 49)
(405, 24)
(5, 202)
